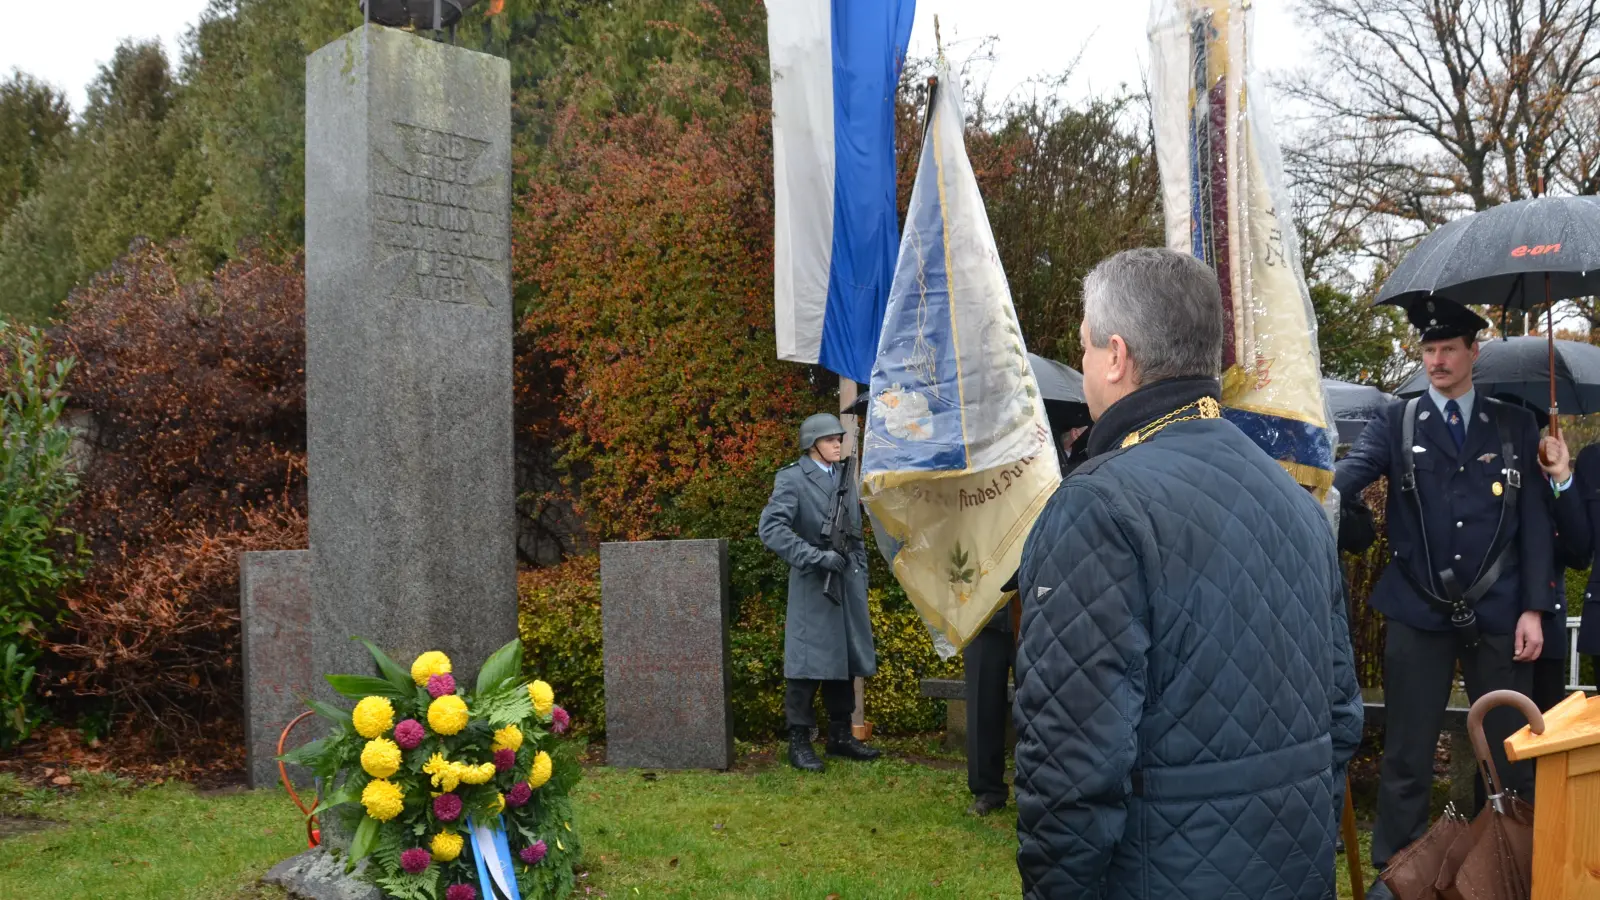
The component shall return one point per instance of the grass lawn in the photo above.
(108, 841)
(892, 829)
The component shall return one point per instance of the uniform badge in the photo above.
(1487, 457)
(1423, 416)
(1498, 490)
(1483, 417)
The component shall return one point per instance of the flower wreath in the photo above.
(424, 759)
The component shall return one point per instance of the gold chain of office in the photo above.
(1204, 408)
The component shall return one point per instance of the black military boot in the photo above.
(844, 744)
(801, 754)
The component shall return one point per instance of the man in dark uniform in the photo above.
(1571, 552)
(827, 636)
(1469, 578)
(987, 663)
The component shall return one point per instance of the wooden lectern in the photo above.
(1566, 811)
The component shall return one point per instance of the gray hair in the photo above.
(1167, 308)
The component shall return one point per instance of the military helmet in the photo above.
(818, 427)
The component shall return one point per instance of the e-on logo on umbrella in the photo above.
(1539, 250)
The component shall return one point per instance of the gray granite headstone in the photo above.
(408, 351)
(664, 610)
(275, 618)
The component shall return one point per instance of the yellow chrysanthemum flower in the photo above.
(446, 774)
(380, 757)
(373, 716)
(540, 773)
(543, 697)
(480, 774)
(428, 665)
(499, 805)
(445, 846)
(508, 738)
(383, 799)
(448, 714)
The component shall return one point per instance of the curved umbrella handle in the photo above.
(1480, 743)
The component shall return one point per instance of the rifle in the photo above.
(836, 531)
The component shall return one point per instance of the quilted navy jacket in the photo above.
(1185, 686)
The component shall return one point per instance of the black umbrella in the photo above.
(1541, 416)
(1353, 406)
(1520, 367)
(1060, 385)
(1488, 259)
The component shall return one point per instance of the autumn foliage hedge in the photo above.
(194, 395)
(647, 258)
(561, 629)
(158, 634)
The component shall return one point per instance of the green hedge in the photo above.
(561, 634)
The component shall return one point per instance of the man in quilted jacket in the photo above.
(1185, 686)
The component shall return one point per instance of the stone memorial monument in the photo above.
(408, 363)
(408, 350)
(664, 612)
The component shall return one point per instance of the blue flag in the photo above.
(835, 69)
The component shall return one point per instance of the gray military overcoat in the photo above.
(821, 640)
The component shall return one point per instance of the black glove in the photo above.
(1357, 529)
(833, 562)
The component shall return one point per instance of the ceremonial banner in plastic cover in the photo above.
(957, 461)
(1223, 193)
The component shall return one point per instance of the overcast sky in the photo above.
(1034, 37)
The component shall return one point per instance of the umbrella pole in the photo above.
(847, 418)
(1352, 845)
(1550, 332)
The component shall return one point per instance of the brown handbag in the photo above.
(1490, 859)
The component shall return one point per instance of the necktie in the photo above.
(1458, 428)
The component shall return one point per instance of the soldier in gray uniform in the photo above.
(827, 643)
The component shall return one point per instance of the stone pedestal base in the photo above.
(319, 875)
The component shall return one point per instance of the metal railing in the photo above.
(1573, 659)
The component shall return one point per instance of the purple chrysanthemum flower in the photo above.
(447, 807)
(535, 854)
(460, 892)
(559, 720)
(441, 685)
(409, 733)
(519, 794)
(504, 759)
(416, 861)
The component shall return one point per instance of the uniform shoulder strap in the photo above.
(1498, 410)
(1408, 442)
